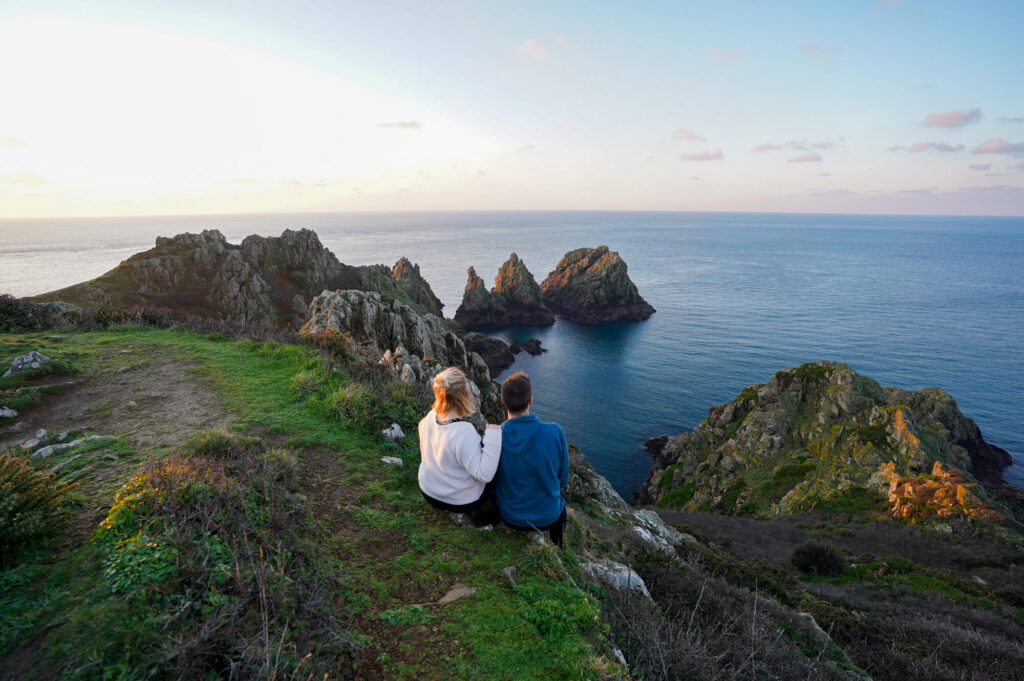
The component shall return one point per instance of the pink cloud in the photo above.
(980, 166)
(531, 48)
(704, 155)
(687, 135)
(919, 147)
(809, 157)
(724, 54)
(952, 119)
(1019, 166)
(824, 174)
(812, 50)
(767, 146)
(997, 145)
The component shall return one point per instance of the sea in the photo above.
(910, 301)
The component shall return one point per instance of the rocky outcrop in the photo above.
(495, 353)
(416, 345)
(27, 362)
(591, 286)
(815, 436)
(944, 493)
(515, 299)
(264, 280)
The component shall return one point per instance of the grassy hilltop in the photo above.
(240, 523)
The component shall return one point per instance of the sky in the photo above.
(178, 107)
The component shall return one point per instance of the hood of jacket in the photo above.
(517, 434)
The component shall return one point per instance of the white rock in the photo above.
(40, 434)
(392, 460)
(394, 432)
(31, 443)
(7, 413)
(22, 363)
(615, 575)
(619, 656)
(63, 436)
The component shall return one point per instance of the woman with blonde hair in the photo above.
(455, 465)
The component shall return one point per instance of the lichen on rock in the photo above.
(815, 437)
(591, 286)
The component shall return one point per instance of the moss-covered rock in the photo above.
(815, 437)
(591, 286)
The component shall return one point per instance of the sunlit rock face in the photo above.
(515, 299)
(815, 437)
(944, 493)
(264, 280)
(591, 286)
(416, 345)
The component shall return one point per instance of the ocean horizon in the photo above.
(911, 301)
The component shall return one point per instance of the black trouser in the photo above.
(556, 528)
(454, 508)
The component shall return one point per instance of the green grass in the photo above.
(403, 555)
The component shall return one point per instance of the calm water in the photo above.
(909, 301)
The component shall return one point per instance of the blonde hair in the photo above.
(452, 393)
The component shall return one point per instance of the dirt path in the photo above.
(147, 398)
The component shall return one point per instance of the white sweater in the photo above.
(454, 464)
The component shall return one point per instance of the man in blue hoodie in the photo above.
(534, 464)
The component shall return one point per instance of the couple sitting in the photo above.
(527, 460)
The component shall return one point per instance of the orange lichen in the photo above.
(943, 494)
(902, 431)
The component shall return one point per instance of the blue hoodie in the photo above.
(533, 467)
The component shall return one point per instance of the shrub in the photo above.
(219, 443)
(819, 558)
(31, 504)
(306, 382)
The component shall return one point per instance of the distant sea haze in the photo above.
(908, 301)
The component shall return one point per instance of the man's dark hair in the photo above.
(516, 392)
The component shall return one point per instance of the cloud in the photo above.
(23, 178)
(952, 119)
(918, 147)
(997, 145)
(1019, 166)
(824, 174)
(531, 48)
(795, 145)
(812, 50)
(980, 166)
(527, 148)
(687, 135)
(808, 157)
(401, 125)
(704, 155)
(1012, 119)
(725, 54)
(11, 143)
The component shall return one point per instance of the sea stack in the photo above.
(591, 286)
(515, 299)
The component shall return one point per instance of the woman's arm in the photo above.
(480, 459)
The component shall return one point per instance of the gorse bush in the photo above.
(31, 504)
(819, 558)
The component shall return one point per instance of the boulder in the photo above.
(515, 299)
(495, 353)
(7, 413)
(27, 362)
(615, 575)
(533, 347)
(591, 286)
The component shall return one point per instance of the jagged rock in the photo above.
(814, 436)
(7, 413)
(591, 286)
(494, 352)
(532, 347)
(515, 299)
(27, 362)
(942, 494)
(416, 346)
(615, 575)
(264, 280)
